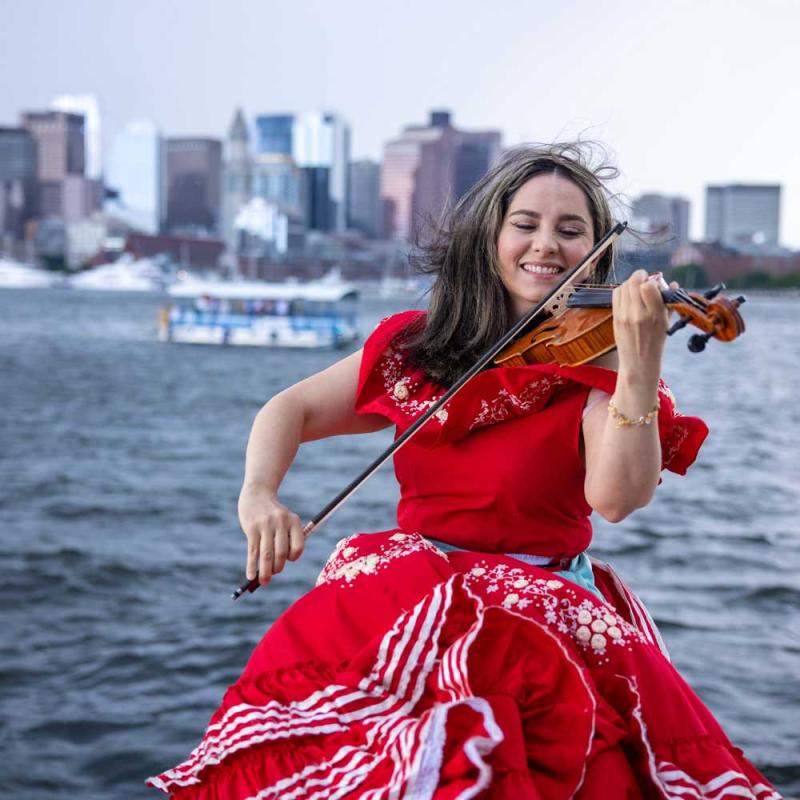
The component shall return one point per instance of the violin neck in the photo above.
(600, 297)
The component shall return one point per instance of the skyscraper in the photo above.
(428, 168)
(314, 141)
(741, 215)
(17, 180)
(59, 142)
(321, 140)
(364, 201)
(192, 185)
(133, 172)
(237, 177)
(87, 106)
(664, 216)
(274, 134)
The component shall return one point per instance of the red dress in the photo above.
(413, 672)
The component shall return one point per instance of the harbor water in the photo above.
(120, 464)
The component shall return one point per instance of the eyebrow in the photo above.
(563, 217)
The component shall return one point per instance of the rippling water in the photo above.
(120, 463)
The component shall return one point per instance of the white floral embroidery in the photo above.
(500, 408)
(345, 563)
(400, 387)
(594, 626)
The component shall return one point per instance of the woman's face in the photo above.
(546, 231)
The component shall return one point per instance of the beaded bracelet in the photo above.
(623, 421)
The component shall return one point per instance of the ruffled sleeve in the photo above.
(681, 436)
(391, 386)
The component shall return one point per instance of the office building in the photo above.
(192, 185)
(743, 215)
(364, 200)
(664, 217)
(427, 169)
(133, 175)
(237, 177)
(59, 139)
(87, 107)
(313, 141)
(18, 170)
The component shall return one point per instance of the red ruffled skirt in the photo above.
(408, 672)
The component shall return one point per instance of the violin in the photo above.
(585, 330)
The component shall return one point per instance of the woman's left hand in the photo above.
(640, 323)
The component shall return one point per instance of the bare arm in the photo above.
(623, 464)
(315, 408)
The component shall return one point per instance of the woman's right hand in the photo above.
(274, 533)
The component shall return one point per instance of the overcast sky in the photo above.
(683, 93)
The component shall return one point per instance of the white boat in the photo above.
(318, 314)
(125, 275)
(18, 276)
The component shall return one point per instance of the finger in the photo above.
(297, 541)
(650, 294)
(265, 557)
(252, 554)
(281, 551)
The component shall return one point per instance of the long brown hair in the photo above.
(468, 309)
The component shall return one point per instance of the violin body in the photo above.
(585, 331)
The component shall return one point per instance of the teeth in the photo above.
(538, 270)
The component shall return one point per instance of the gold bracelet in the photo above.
(622, 421)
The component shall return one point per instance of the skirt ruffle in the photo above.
(411, 673)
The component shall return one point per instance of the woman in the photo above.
(475, 650)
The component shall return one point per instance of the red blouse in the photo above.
(499, 468)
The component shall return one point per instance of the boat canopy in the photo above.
(315, 291)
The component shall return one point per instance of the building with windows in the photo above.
(18, 170)
(364, 211)
(133, 175)
(274, 134)
(743, 215)
(319, 144)
(237, 178)
(87, 107)
(60, 147)
(192, 185)
(427, 169)
(663, 220)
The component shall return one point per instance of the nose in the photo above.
(544, 241)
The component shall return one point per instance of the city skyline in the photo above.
(687, 96)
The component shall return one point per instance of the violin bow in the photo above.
(555, 302)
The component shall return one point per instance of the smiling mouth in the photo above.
(542, 269)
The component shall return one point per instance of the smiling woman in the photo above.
(476, 650)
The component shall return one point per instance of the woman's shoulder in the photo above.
(390, 328)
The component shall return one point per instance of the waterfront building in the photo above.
(80, 197)
(664, 217)
(192, 185)
(237, 177)
(321, 141)
(428, 168)
(364, 198)
(314, 141)
(742, 215)
(133, 174)
(18, 170)
(274, 134)
(277, 179)
(87, 106)
(59, 139)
